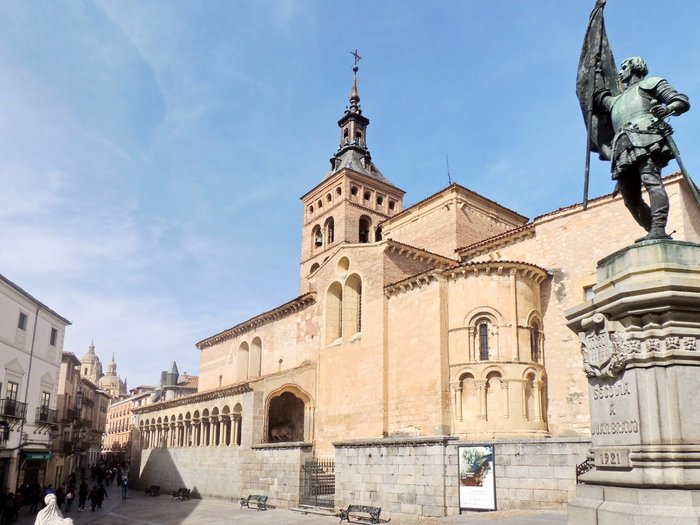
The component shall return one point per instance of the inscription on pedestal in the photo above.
(614, 411)
(612, 457)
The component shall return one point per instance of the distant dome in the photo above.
(90, 356)
(110, 383)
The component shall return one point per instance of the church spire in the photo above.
(352, 151)
(354, 94)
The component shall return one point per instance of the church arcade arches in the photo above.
(214, 426)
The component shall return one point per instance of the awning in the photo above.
(41, 455)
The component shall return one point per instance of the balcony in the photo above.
(65, 447)
(46, 416)
(69, 415)
(13, 409)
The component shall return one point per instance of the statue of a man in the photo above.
(639, 149)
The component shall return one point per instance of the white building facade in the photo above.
(31, 346)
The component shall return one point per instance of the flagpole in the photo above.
(589, 117)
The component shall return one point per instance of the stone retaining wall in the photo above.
(411, 477)
(227, 473)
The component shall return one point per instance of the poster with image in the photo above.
(477, 487)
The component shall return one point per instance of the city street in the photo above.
(138, 509)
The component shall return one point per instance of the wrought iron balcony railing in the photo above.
(46, 416)
(13, 409)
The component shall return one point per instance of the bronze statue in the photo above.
(624, 113)
(639, 148)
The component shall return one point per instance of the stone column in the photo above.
(505, 397)
(480, 387)
(537, 400)
(640, 339)
(515, 350)
(197, 433)
(458, 390)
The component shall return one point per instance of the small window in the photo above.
(367, 195)
(364, 229)
(12, 390)
(22, 323)
(392, 205)
(338, 191)
(319, 203)
(588, 293)
(535, 342)
(353, 191)
(329, 197)
(311, 209)
(484, 341)
(380, 200)
(54, 336)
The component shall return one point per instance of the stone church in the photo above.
(417, 329)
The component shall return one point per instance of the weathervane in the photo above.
(357, 56)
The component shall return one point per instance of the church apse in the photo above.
(497, 373)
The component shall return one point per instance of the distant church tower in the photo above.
(91, 367)
(353, 198)
(110, 382)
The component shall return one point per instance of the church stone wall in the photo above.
(350, 368)
(417, 362)
(450, 220)
(412, 478)
(299, 328)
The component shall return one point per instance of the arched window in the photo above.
(330, 230)
(334, 312)
(316, 237)
(243, 360)
(352, 306)
(483, 335)
(364, 230)
(314, 267)
(255, 357)
(535, 341)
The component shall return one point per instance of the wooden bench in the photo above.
(372, 513)
(153, 490)
(181, 494)
(260, 501)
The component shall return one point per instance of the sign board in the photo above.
(477, 482)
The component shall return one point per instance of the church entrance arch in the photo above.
(286, 416)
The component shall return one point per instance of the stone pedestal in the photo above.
(640, 340)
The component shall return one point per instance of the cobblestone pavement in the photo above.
(138, 509)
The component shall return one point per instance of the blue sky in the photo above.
(152, 153)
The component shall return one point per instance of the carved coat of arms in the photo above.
(605, 351)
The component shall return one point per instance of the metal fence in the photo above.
(318, 483)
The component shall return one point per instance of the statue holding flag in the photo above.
(627, 126)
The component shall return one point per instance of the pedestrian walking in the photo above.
(93, 497)
(125, 486)
(70, 496)
(101, 495)
(82, 496)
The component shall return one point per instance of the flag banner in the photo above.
(597, 61)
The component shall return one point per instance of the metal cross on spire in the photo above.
(356, 55)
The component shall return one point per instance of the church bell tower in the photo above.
(353, 198)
